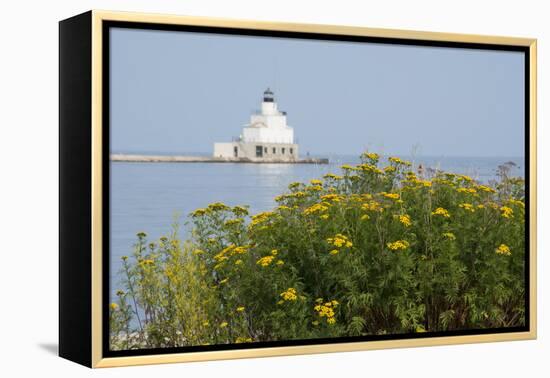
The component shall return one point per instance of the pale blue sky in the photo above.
(179, 92)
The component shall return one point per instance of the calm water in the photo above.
(147, 196)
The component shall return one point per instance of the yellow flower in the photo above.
(223, 324)
(316, 182)
(503, 249)
(331, 197)
(324, 216)
(405, 220)
(507, 212)
(334, 252)
(231, 222)
(467, 190)
(449, 235)
(238, 262)
(441, 211)
(372, 206)
(113, 306)
(265, 261)
(280, 263)
(484, 188)
(516, 202)
(197, 252)
(198, 213)
(240, 309)
(371, 155)
(398, 244)
(240, 340)
(224, 281)
(332, 176)
(326, 310)
(340, 240)
(316, 208)
(289, 294)
(240, 211)
(205, 323)
(365, 217)
(274, 252)
(394, 196)
(467, 206)
(315, 323)
(398, 161)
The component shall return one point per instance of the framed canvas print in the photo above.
(235, 189)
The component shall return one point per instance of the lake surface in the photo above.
(147, 196)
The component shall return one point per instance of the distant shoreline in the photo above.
(130, 158)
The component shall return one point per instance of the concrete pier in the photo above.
(207, 159)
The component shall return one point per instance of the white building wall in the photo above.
(224, 150)
(268, 135)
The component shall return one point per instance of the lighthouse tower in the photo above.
(267, 137)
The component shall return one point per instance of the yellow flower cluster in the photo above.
(241, 340)
(467, 190)
(468, 207)
(265, 261)
(332, 197)
(240, 211)
(371, 155)
(289, 294)
(393, 196)
(507, 212)
(332, 176)
(483, 188)
(316, 208)
(398, 161)
(405, 220)
(503, 249)
(369, 168)
(232, 222)
(464, 178)
(260, 218)
(441, 211)
(217, 206)
(398, 244)
(372, 206)
(113, 306)
(449, 235)
(339, 241)
(240, 309)
(230, 250)
(316, 182)
(326, 310)
(519, 203)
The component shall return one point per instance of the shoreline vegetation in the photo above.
(369, 251)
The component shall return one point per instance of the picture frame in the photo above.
(85, 156)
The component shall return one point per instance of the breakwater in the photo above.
(208, 159)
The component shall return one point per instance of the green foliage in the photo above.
(371, 251)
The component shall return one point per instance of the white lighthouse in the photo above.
(267, 138)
